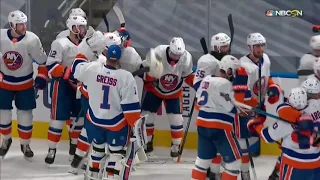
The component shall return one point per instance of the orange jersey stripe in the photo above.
(17, 87)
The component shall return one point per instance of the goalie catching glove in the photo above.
(154, 61)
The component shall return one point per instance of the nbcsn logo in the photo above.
(284, 13)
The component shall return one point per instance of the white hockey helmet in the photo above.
(311, 85)
(76, 21)
(177, 46)
(16, 17)
(298, 98)
(112, 39)
(315, 42)
(97, 42)
(255, 38)
(229, 62)
(220, 39)
(316, 66)
(77, 12)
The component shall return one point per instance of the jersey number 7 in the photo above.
(105, 100)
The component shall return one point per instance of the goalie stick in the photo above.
(120, 16)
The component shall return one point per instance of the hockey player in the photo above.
(208, 64)
(300, 157)
(112, 117)
(256, 63)
(19, 48)
(215, 121)
(63, 89)
(75, 12)
(85, 52)
(307, 60)
(177, 67)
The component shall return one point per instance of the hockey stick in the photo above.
(231, 27)
(186, 131)
(104, 17)
(204, 45)
(120, 16)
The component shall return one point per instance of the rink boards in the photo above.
(162, 132)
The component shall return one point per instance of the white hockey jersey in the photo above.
(215, 111)
(130, 60)
(291, 153)
(169, 85)
(207, 65)
(63, 52)
(114, 100)
(17, 58)
(306, 63)
(252, 70)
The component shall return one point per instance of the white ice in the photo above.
(15, 167)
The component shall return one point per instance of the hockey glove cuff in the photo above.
(273, 93)
(255, 126)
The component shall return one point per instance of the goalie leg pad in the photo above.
(140, 132)
(119, 163)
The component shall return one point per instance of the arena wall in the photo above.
(162, 133)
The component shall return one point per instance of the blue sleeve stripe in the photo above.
(266, 135)
(130, 107)
(196, 85)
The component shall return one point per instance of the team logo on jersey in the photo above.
(169, 81)
(256, 86)
(13, 60)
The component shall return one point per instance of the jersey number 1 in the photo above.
(105, 100)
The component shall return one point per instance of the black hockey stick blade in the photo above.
(104, 16)
(141, 71)
(204, 45)
(231, 27)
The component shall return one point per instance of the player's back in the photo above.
(130, 60)
(63, 51)
(112, 92)
(215, 111)
(207, 65)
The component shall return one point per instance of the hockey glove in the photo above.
(42, 78)
(255, 125)
(273, 93)
(303, 135)
(140, 132)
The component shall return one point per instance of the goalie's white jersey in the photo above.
(291, 153)
(130, 60)
(114, 100)
(17, 57)
(252, 70)
(169, 85)
(207, 65)
(215, 111)
(63, 52)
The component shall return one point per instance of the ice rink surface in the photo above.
(15, 167)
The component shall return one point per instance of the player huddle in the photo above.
(93, 90)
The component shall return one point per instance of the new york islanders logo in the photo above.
(256, 86)
(13, 60)
(169, 81)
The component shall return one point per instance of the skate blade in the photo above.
(28, 158)
(71, 157)
(73, 171)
